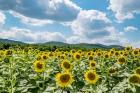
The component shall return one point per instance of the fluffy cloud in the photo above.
(124, 9)
(31, 21)
(31, 37)
(57, 10)
(130, 29)
(2, 18)
(136, 44)
(91, 24)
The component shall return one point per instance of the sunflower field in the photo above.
(74, 71)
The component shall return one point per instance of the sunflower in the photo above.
(91, 77)
(90, 57)
(121, 60)
(117, 53)
(92, 64)
(106, 55)
(112, 71)
(72, 51)
(134, 79)
(66, 65)
(62, 56)
(64, 79)
(135, 52)
(77, 56)
(99, 54)
(39, 66)
(128, 48)
(44, 56)
(88, 53)
(112, 51)
(137, 70)
(38, 57)
(50, 54)
(8, 52)
(125, 54)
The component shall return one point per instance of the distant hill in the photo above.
(10, 41)
(82, 45)
(62, 45)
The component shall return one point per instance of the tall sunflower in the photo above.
(92, 64)
(135, 52)
(90, 57)
(39, 66)
(112, 71)
(134, 79)
(66, 65)
(137, 70)
(121, 60)
(77, 56)
(91, 77)
(64, 79)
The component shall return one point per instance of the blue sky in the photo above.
(72, 21)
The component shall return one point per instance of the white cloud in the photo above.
(136, 44)
(91, 24)
(2, 18)
(29, 36)
(57, 10)
(124, 9)
(30, 21)
(130, 29)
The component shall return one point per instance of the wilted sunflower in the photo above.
(66, 65)
(137, 70)
(121, 60)
(134, 79)
(77, 56)
(91, 77)
(39, 66)
(64, 79)
(92, 64)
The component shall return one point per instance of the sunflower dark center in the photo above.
(134, 79)
(121, 59)
(90, 58)
(106, 56)
(138, 71)
(39, 65)
(112, 71)
(78, 56)
(65, 78)
(92, 64)
(91, 76)
(44, 57)
(66, 65)
(135, 52)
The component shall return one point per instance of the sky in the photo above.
(106, 22)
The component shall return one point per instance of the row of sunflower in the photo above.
(98, 71)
